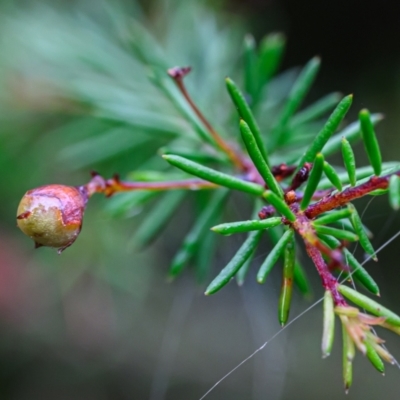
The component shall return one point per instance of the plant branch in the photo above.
(329, 282)
(352, 193)
(177, 74)
(111, 186)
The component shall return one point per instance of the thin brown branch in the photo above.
(111, 186)
(178, 73)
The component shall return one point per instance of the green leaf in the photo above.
(246, 114)
(242, 273)
(246, 226)
(157, 218)
(193, 155)
(374, 358)
(337, 233)
(273, 256)
(332, 217)
(326, 132)
(270, 55)
(332, 175)
(250, 64)
(300, 276)
(370, 305)
(258, 159)
(315, 110)
(313, 180)
(328, 331)
(370, 141)
(300, 279)
(205, 252)
(244, 269)
(360, 273)
(349, 161)
(213, 176)
(352, 133)
(199, 229)
(394, 192)
(126, 203)
(361, 174)
(236, 263)
(279, 205)
(359, 229)
(285, 297)
(296, 96)
(330, 241)
(348, 356)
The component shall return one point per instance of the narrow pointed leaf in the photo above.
(330, 241)
(352, 133)
(246, 114)
(250, 64)
(246, 226)
(359, 229)
(349, 161)
(236, 263)
(200, 228)
(204, 257)
(273, 256)
(360, 273)
(370, 141)
(313, 180)
(270, 55)
(157, 218)
(193, 155)
(279, 205)
(332, 175)
(332, 217)
(208, 174)
(244, 269)
(326, 132)
(316, 110)
(300, 278)
(370, 305)
(258, 159)
(285, 297)
(362, 174)
(296, 96)
(348, 355)
(328, 331)
(337, 233)
(374, 358)
(394, 192)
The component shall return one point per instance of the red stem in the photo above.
(340, 199)
(329, 282)
(110, 186)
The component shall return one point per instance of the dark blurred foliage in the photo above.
(100, 322)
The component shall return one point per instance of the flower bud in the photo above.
(52, 215)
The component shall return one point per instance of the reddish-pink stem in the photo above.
(352, 193)
(111, 186)
(329, 282)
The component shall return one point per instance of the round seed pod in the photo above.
(52, 215)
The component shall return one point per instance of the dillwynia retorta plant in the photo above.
(299, 198)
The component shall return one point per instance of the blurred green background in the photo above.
(100, 321)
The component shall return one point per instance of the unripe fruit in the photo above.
(52, 215)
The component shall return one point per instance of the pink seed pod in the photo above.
(52, 215)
